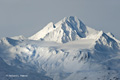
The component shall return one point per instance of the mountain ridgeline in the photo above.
(68, 29)
(67, 50)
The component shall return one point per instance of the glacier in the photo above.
(67, 50)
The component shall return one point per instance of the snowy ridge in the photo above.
(68, 29)
(104, 42)
(49, 28)
(67, 50)
(21, 37)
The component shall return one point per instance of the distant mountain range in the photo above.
(67, 50)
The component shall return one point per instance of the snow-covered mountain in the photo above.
(67, 50)
(68, 29)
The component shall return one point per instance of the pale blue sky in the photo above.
(26, 17)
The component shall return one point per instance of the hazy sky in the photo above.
(26, 17)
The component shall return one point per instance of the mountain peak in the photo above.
(93, 52)
(73, 20)
(70, 18)
(68, 29)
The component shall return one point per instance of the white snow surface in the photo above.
(68, 29)
(67, 50)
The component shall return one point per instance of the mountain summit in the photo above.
(72, 29)
(68, 29)
(67, 50)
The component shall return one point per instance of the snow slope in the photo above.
(68, 29)
(67, 50)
